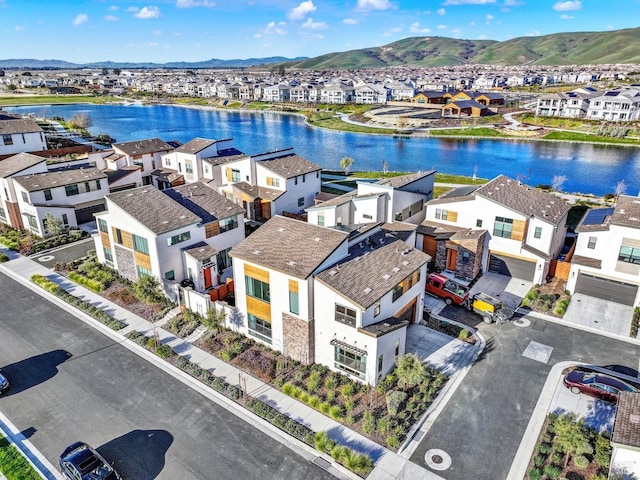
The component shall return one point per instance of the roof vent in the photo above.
(396, 269)
(317, 239)
(386, 276)
(367, 290)
(333, 272)
(281, 229)
(291, 263)
(256, 252)
(634, 418)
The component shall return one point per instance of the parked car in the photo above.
(80, 461)
(4, 383)
(595, 384)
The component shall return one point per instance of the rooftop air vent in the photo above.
(367, 290)
(386, 276)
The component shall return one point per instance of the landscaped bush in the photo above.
(394, 401)
(91, 284)
(3, 258)
(635, 322)
(13, 465)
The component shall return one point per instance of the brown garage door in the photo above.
(513, 267)
(606, 289)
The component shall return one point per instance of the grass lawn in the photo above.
(330, 121)
(467, 132)
(53, 99)
(459, 179)
(13, 465)
(584, 137)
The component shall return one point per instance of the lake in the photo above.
(588, 168)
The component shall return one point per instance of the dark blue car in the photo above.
(81, 462)
(4, 383)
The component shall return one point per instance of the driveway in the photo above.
(601, 314)
(66, 253)
(510, 290)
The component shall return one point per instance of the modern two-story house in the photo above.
(20, 135)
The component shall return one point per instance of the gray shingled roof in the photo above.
(200, 251)
(140, 147)
(153, 209)
(41, 181)
(626, 427)
(402, 180)
(372, 271)
(204, 201)
(586, 261)
(20, 125)
(255, 191)
(289, 166)
(195, 145)
(627, 212)
(289, 246)
(17, 163)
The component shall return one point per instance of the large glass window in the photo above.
(228, 224)
(321, 220)
(503, 227)
(345, 315)
(25, 197)
(629, 255)
(235, 175)
(350, 362)
(592, 242)
(294, 303)
(108, 254)
(259, 328)
(181, 237)
(257, 289)
(537, 233)
(102, 225)
(140, 244)
(397, 291)
(71, 190)
(7, 139)
(143, 272)
(47, 194)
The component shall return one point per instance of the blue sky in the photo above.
(193, 30)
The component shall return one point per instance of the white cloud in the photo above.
(456, 32)
(148, 12)
(302, 10)
(482, 36)
(113, 8)
(194, 3)
(472, 23)
(311, 25)
(534, 33)
(152, 44)
(469, 2)
(610, 27)
(18, 28)
(567, 6)
(274, 28)
(441, 27)
(441, 11)
(391, 32)
(157, 32)
(416, 28)
(110, 18)
(564, 16)
(350, 21)
(132, 9)
(80, 19)
(367, 5)
(489, 16)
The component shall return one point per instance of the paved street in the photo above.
(483, 424)
(70, 382)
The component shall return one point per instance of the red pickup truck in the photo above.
(444, 287)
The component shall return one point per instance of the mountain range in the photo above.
(577, 48)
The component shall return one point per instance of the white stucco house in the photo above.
(606, 259)
(14, 166)
(323, 295)
(145, 154)
(20, 135)
(526, 227)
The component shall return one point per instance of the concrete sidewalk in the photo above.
(388, 464)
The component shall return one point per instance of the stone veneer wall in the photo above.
(298, 338)
(472, 268)
(126, 263)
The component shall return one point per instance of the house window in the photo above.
(259, 328)
(65, 220)
(380, 358)
(224, 259)
(235, 175)
(366, 216)
(170, 275)
(143, 272)
(167, 162)
(258, 289)
(537, 233)
(33, 222)
(397, 350)
(118, 236)
(629, 255)
(25, 197)
(102, 225)
(376, 309)
(304, 178)
(98, 187)
(228, 224)
(3, 214)
(479, 223)
(108, 254)
(294, 304)
(181, 237)
(350, 362)
(345, 315)
(502, 227)
(592, 242)
(397, 292)
(71, 190)
(321, 220)
(188, 168)
(140, 244)
(47, 194)
(465, 257)
(295, 181)
(301, 202)
(441, 214)
(273, 181)
(7, 139)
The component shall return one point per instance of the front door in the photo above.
(452, 255)
(207, 277)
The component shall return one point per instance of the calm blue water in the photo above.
(588, 168)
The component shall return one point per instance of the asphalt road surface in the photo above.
(69, 382)
(481, 427)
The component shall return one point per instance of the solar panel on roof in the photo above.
(597, 216)
(611, 94)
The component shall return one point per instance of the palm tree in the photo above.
(409, 370)
(346, 163)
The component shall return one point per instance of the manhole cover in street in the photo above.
(437, 459)
(522, 322)
(46, 258)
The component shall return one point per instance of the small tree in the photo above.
(557, 182)
(621, 188)
(147, 289)
(214, 320)
(81, 121)
(53, 225)
(570, 436)
(409, 370)
(346, 164)
(385, 167)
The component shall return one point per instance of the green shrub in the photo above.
(581, 462)
(394, 401)
(393, 441)
(335, 412)
(539, 460)
(4, 258)
(90, 283)
(347, 389)
(322, 442)
(331, 381)
(384, 426)
(313, 401)
(164, 351)
(552, 471)
(325, 407)
(313, 383)
(602, 450)
(287, 388)
(534, 474)
(368, 422)
(544, 448)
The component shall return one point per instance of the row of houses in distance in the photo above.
(619, 105)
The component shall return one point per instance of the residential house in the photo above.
(276, 93)
(526, 227)
(329, 296)
(616, 105)
(143, 153)
(400, 198)
(625, 437)
(70, 195)
(175, 235)
(371, 94)
(606, 259)
(20, 135)
(16, 165)
(469, 108)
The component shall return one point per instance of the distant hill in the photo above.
(213, 63)
(617, 46)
